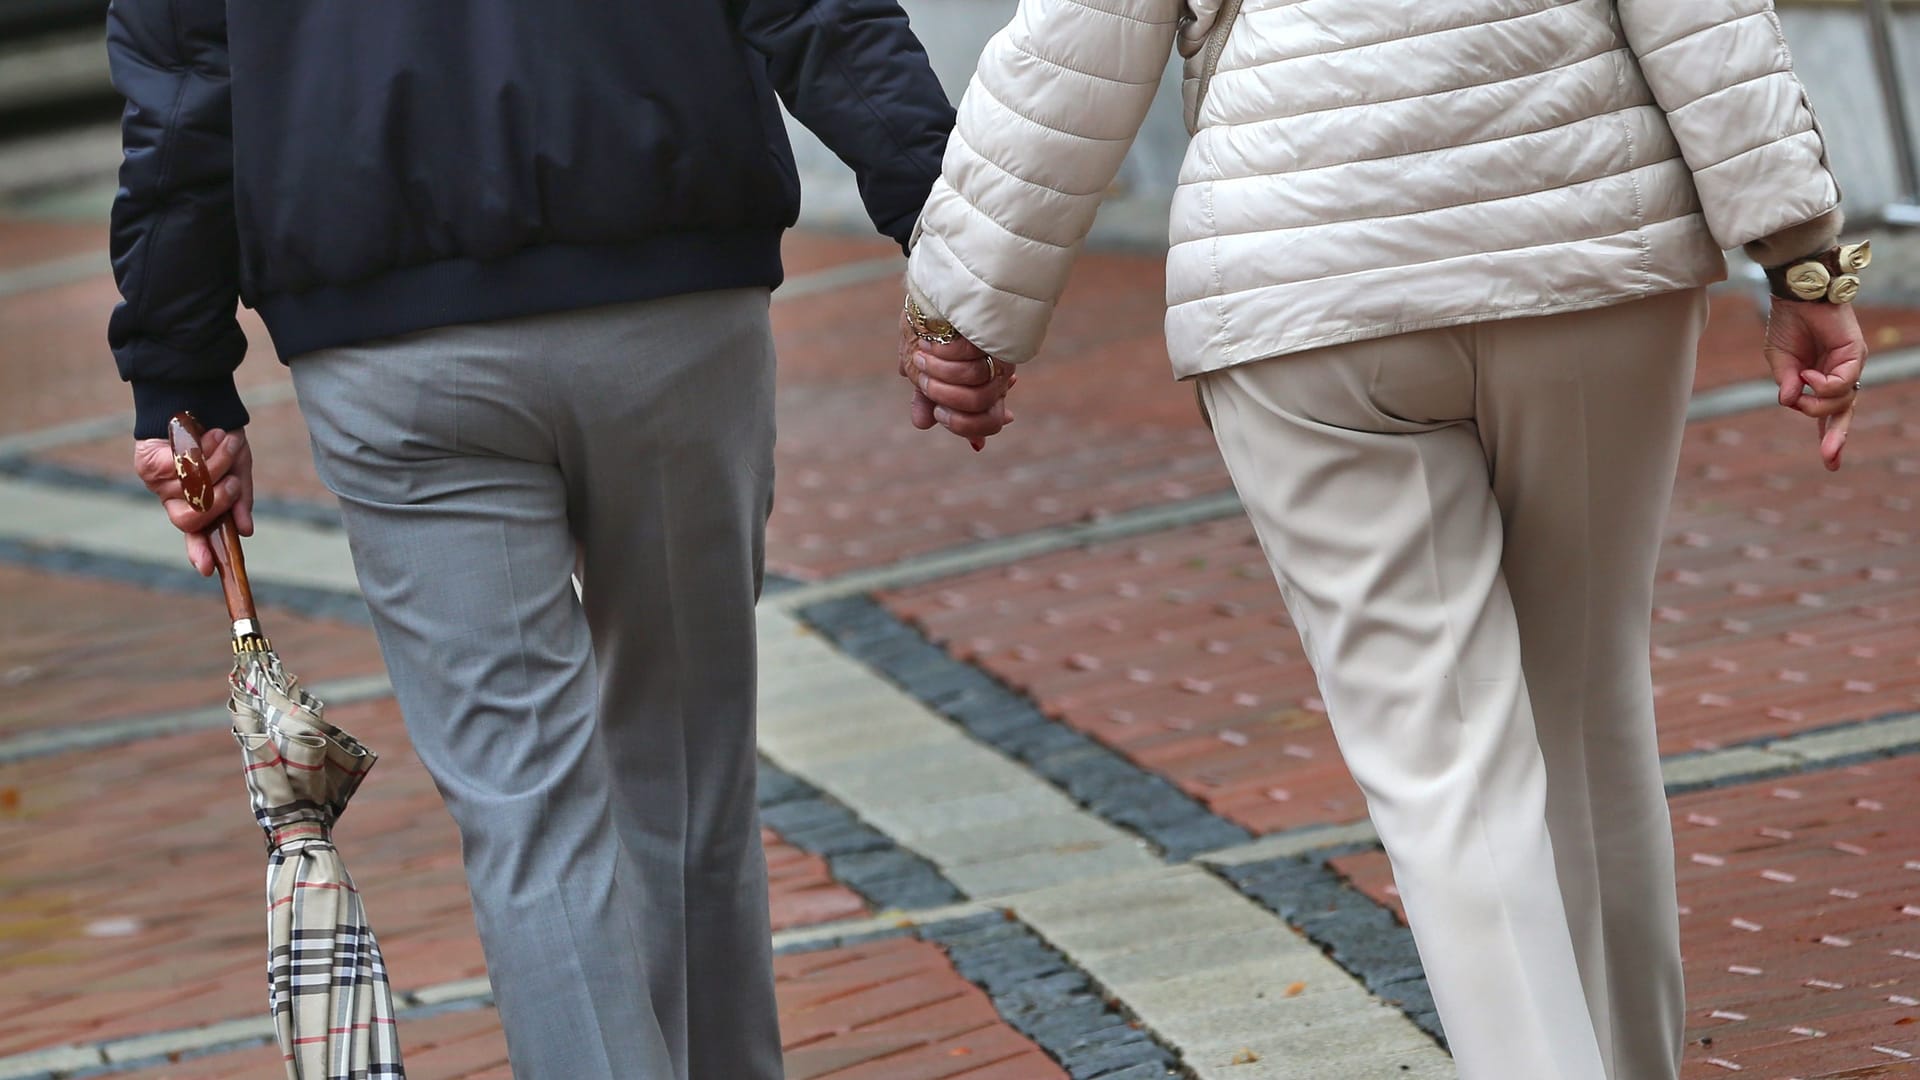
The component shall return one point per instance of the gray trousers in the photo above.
(598, 755)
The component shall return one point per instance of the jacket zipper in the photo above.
(1210, 60)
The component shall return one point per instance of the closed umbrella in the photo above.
(328, 990)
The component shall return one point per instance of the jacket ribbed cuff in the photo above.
(1796, 243)
(214, 402)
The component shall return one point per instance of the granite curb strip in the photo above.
(1831, 747)
(186, 1044)
(336, 693)
(1099, 778)
(1049, 999)
(1354, 930)
(115, 426)
(1034, 988)
(1883, 369)
(980, 554)
(858, 855)
(321, 515)
(1240, 994)
(54, 273)
(180, 578)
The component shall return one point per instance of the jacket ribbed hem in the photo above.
(1211, 333)
(535, 281)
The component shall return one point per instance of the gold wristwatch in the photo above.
(1831, 277)
(929, 328)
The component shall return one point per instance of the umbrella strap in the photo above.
(298, 836)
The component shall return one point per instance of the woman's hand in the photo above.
(229, 465)
(955, 386)
(1816, 352)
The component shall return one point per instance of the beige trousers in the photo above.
(1464, 524)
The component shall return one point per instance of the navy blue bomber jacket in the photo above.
(355, 169)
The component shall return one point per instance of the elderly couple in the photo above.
(1437, 272)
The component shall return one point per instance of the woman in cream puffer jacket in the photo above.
(1438, 271)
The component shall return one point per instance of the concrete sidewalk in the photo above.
(1048, 792)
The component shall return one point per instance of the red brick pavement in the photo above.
(54, 360)
(282, 456)
(1800, 922)
(1105, 430)
(890, 1010)
(1789, 599)
(25, 242)
(77, 651)
(1101, 429)
(807, 252)
(131, 896)
(284, 462)
(1730, 349)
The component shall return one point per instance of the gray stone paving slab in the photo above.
(968, 812)
(1882, 369)
(829, 734)
(1852, 741)
(1058, 831)
(894, 759)
(890, 776)
(1001, 551)
(1121, 917)
(109, 524)
(1092, 923)
(231, 1032)
(1276, 1060)
(1011, 874)
(447, 993)
(1294, 842)
(1174, 948)
(1236, 1022)
(1205, 968)
(102, 427)
(340, 692)
(59, 1059)
(1695, 769)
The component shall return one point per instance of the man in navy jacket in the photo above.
(518, 255)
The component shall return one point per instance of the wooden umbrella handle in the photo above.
(190, 464)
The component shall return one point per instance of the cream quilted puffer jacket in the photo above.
(1362, 168)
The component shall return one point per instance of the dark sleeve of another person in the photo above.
(174, 334)
(855, 75)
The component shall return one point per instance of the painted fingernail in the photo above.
(978, 445)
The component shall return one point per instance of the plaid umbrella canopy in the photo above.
(332, 1006)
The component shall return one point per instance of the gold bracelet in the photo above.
(929, 328)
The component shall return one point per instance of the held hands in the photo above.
(230, 465)
(956, 386)
(1816, 352)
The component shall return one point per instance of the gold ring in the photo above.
(993, 369)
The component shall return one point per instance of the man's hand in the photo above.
(955, 386)
(229, 464)
(1817, 353)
